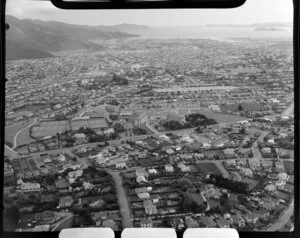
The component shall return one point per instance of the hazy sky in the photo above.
(253, 11)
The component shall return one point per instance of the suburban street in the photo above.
(282, 220)
(122, 198)
(63, 223)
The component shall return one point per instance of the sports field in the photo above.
(221, 117)
(49, 128)
(23, 137)
(92, 123)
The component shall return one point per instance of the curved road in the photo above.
(122, 198)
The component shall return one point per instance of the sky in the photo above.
(253, 11)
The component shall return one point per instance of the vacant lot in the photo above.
(251, 182)
(245, 107)
(206, 168)
(289, 166)
(196, 197)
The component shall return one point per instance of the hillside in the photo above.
(36, 39)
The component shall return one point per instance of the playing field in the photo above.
(92, 123)
(221, 117)
(49, 128)
(23, 137)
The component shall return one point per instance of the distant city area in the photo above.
(148, 132)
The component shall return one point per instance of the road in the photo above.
(255, 149)
(122, 198)
(91, 101)
(288, 111)
(10, 152)
(17, 134)
(63, 223)
(282, 220)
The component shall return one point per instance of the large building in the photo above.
(30, 187)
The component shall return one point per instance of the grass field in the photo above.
(221, 117)
(245, 106)
(49, 128)
(196, 197)
(252, 183)
(208, 168)
(24, 137)
(11, 130)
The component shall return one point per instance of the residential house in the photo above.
(279, 167)
(271, 188)
(98, 216)
(251, 218)
(146, 223)
(229, 151)
(65, 202)
(238, 220)
(266, 150)
(120, 165)
(62, 185)
(152, 171)
(190, 222)
(223, 223)
(262, 213)
(111, 224)
(144, 196)
(150, 208)
(169, 168)
(87, 186)
(230, 163)
(246, 172)
(211, 192)
(30, 187)
(177, 223)
(207, 222)
(183, 167)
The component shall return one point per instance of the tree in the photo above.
(240, 107)
(243, 131)
(12, 216)
(224, 199)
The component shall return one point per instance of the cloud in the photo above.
(29, 8)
